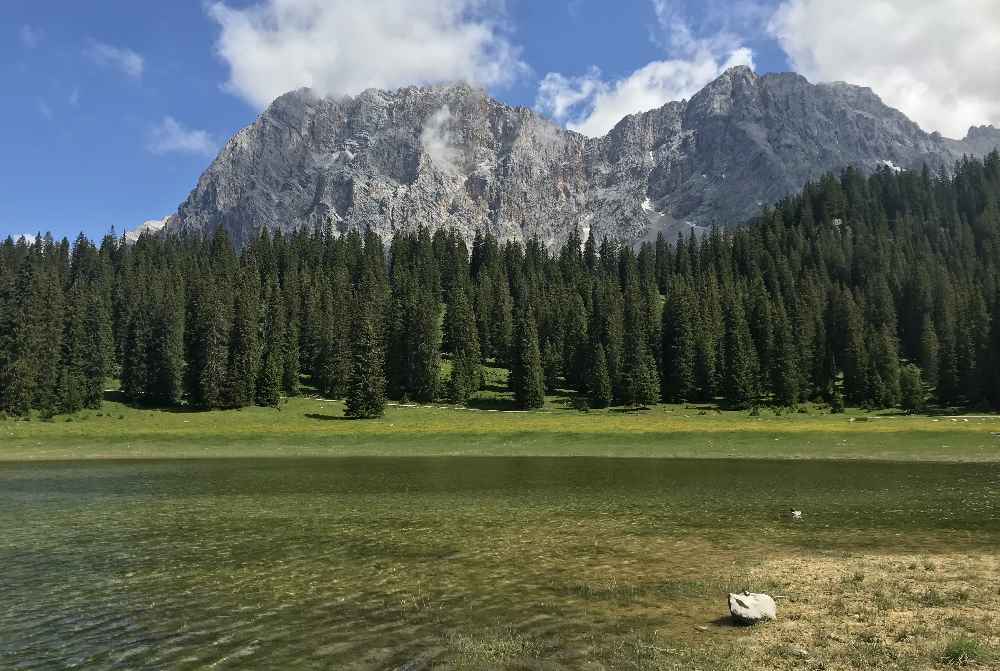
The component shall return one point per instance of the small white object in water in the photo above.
(795, 514)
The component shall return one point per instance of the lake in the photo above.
(397, 563)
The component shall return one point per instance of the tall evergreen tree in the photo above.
(466, 370)
(599, 387)
(271, 375)
(741, 360)
(366, 389)
(680, 345)
(526, 374)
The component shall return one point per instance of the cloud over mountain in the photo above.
(933, 60)
(696, 54)
(342, 47)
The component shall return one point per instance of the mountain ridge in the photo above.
(452, 156)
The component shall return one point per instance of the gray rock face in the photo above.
(451, 156)
(748, 608)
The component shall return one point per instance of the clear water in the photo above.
(388, 563)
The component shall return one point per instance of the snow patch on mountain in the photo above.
(151, 227)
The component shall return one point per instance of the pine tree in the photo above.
(576, 348)
(138, 347)
(994, 360)
(526, 375)
(271, 376)
(911, 385)
(680, 345)
(600, 381)
(784, 366)
(50, 321)
(466, 370)
(883, 368)
(854, 356)
(552, 361)
(290, 350)
(166, 354)
(208, 345)
(928, 348)
(366, 388)
(244, 346)
(21, 336)
(502, 322)
(741, 360)
(640, 383)
(425, 348)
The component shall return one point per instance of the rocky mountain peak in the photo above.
(452, 156)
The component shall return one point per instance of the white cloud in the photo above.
(440, 143)
(45, 110)
(592, 105)
(935, 61)
(170, 136)
(30, 37)
(127, 61)
(345, 46)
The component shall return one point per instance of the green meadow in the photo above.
(312, 427)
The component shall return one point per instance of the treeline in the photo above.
(874, 291)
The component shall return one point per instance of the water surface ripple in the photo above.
(388, 563)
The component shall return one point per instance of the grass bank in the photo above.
(314, 427)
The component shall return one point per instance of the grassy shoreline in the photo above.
(315, 427)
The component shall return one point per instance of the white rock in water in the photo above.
(749, 608)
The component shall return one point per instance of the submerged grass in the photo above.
(493, 563)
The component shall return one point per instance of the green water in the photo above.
(428, 563)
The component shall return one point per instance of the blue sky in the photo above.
(113, 107)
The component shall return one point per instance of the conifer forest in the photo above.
(873, 291)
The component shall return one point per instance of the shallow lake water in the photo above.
(389, 563)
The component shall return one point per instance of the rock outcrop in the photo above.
(451, 156)
(748, 608)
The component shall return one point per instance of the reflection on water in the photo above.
(408, 563)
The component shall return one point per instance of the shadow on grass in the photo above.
(117, 396)
(491, 403)
(727, 622)
(329, 418)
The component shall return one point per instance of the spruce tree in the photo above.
(502, 322)
(552, 361)
(244, 346)
(599, 384)
(994, 360)
(20, 334)
(366, 387)
(424, 345)
(883, 368)
(290, 350)
(271, 375)
(911, 385)
(526, 374)
(640, 385)
(680, 345)
(784, 365)
(741, 360)
(466, 370)
(928, 348)
(166, 368)
(208, 345)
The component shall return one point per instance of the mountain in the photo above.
(451, 156)
(152, 226)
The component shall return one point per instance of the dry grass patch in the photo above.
(882, 612)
